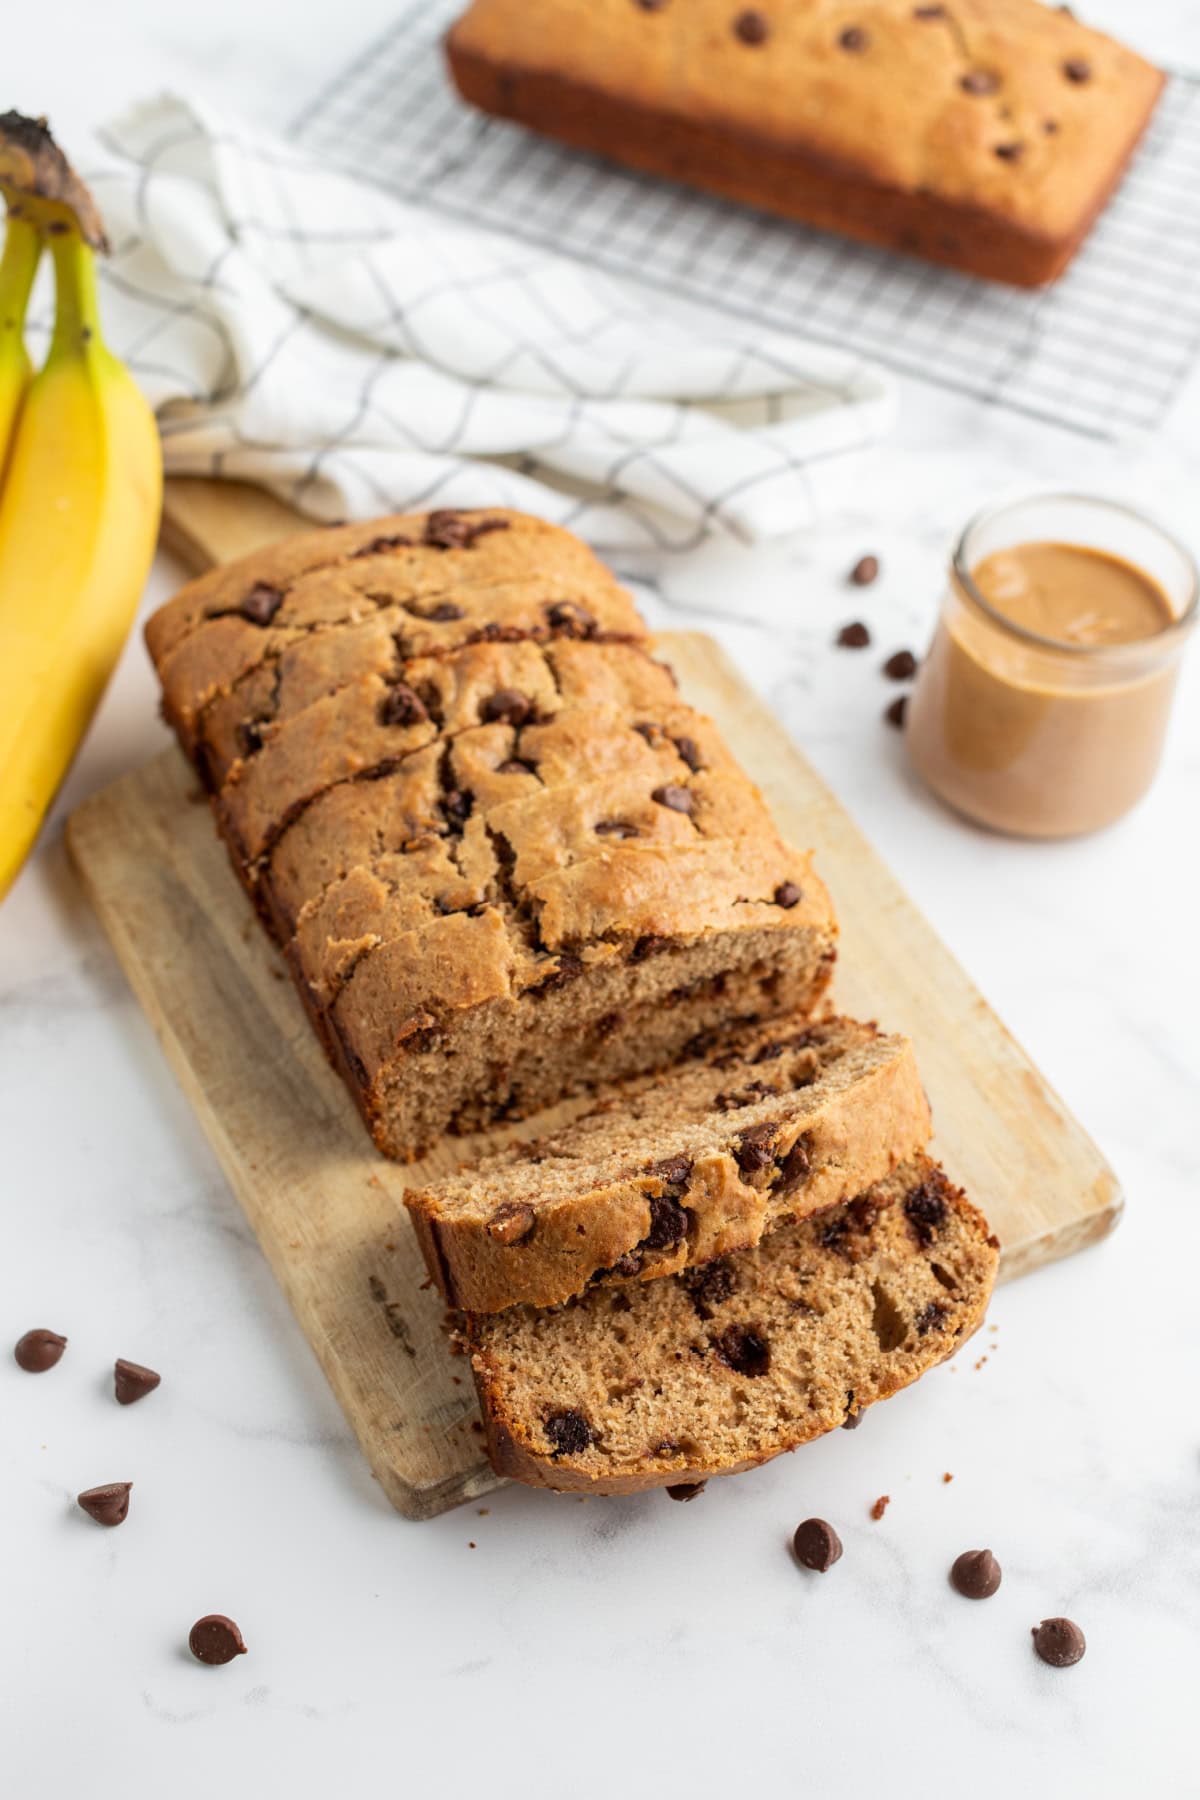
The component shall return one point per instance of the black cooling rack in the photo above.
(1103, 351)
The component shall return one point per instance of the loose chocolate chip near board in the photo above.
(214, 1639)
(38, 1351)
(677, 799)
(261, 604)
(686, 1490)
(854, 636)
(817, 1545)
(901, 666)
(1059, 1642)
(975, 1574)
(132, 1381)
(787, 895)
(108, 1505)
(751, 27)
(865, 571)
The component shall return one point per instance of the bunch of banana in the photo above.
(80, 489)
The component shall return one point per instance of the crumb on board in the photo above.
(881, 1506)
(484, 1511)
(981, 1362)
(947, 1476)
(470, 1546)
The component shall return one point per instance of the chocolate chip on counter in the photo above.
(568, 616)
(1077, 69)
(854, 636)
(1059, 1642)
(854, 38)
(689, 751)
(979, 81)
(668, 1223)
(865, 571)
(751, 27)
(975, 1574)
(685, 1490)
(511, 1223)
(39, 1350)
(261, 604)
(507, 704)
(108, 1505)
(817, 1545)
(744, 1349)
(678, 799)
(444, 612)
(754, 1150)
(896, 713)
(787, 895)
(214, 1639)
(132, 1381)
(1010, 152)
(900, 666)
(402, 706)
(569, 1432)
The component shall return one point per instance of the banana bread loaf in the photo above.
(674, 1170)
(985, 134)
(504, 859)
(724, 1366)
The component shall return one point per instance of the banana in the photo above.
(79, 508)
(18, 266)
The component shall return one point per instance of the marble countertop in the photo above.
(542, 1645)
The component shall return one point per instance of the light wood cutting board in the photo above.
(327, 1208)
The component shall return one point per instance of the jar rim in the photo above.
(1178, 627)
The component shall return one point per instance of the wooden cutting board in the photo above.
(326, 1207)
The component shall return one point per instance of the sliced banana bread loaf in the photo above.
(504, 858)
(724, 1366)
(675, 1170)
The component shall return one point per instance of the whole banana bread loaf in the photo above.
(724, 1366)
(505, 860)
(984, 134)
(672, 1171)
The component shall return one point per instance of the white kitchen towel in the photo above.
(303, 330)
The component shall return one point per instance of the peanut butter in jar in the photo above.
(1042, 704)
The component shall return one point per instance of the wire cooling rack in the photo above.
(1103, 351)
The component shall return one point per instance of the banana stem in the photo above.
(76, 309)
(18, 266)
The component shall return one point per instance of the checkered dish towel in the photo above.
(305, 331)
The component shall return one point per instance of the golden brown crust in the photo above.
(984, 134)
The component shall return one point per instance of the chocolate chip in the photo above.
(833, 1234)
(787, 895)
(854, 636)
(976, 1574)
(709, 1284)
(402, 706)
(507, 704)
(896, 713)
(650, 5)
(570, 968)
(1077, 69)
(925, 1210)
(397, 541)
(796, 1167)
(107, 1505)
(751, 27)
(444, 612)
(133, 1382)
(668, 1223)
(930, 1318)
(689, 752)
(627, 1266)
(900, 666)
(456, 806)
(754, 1150)
(979, 81)
(1050, 126)
(685, 1490)
(249, 736)
(1059, 1642)
(817, 1545)
(678, 799)
(569, 1432)
(261, 604)
(575, 620)
(1009, 152)
(448, 530)
(38, 1351)
(650, 944)
(929, 12)
(854, 38)
(744, 1349)
(215, 1639)
(865, 571)
(852, 1421)
(618, 828)
(511, 1223)
(515, 766)
(652, 733)
(674, 1170)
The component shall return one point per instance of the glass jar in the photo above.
(1031, 735)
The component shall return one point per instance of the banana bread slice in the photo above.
(724, 1366)
(672, 1171)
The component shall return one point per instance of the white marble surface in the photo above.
(635, 1647)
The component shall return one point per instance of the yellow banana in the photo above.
(18, 265)
(79, 509)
